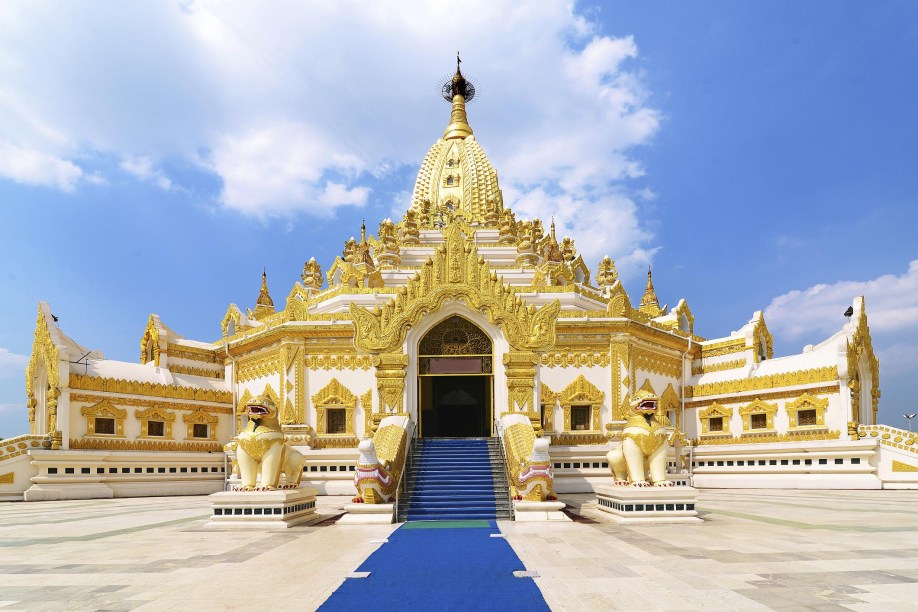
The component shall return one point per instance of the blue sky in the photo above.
(156, 156)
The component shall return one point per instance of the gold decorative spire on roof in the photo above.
(458, 91)
(552, 250)
(264, 305)
(264, 298)
(649, 303)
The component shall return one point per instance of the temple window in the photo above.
(336, 421)
(334, 405)
(580, 418)
(451, 163)
(155, 422)
(581, 401)
(104, 419)
(104, 426)
(715, 420)
(758, 416)
(806, 417)
(807, 411)
(450, 180)
(200, 425)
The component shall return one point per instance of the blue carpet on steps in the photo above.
(445, 565)
(454, 481)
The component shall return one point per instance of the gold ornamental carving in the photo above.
(649, 361)
(718, 367)
(548, 400)
(620, 352)
(574, 360)
(44, 357)
(339, 362)
(144, 445)
(519, 368)
(390, 381)
(861, 344)
(89, 398)
(149, 343)
(177, 368)
(771, 438)
(258, 367)
(131, 387)
(455, 273)
(788, 379)
(901, 466)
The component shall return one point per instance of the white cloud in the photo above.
(811, 315)
(12, 364)
(142, 168)
(293, 105)
(35, 167)
(892, 306)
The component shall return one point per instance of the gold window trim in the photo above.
(331, 396)
(581, 392)
(104, 410)
(713, 411)
(200, 417)
(155, 414)
(807, 402)
(758, 406)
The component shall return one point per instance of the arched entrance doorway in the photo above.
(455, 380)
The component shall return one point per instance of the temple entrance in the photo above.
(455, 381)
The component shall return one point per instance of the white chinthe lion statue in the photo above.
(262, 451)
(640, 460)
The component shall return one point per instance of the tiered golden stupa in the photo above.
(454, 315)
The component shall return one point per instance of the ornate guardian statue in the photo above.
(528, 463)
(640, 460)
(261, 450)
(381, 461)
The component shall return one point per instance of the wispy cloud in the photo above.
(12, 364)
(36, 167)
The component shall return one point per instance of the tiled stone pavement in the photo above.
(756, 550)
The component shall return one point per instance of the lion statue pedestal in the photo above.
(261, 456)
(641, 493)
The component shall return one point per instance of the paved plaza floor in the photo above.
(756, 550)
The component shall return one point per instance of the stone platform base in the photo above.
(531, 511)
(632, 505)
(367, 514)
(263, 509)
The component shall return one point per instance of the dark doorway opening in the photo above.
(455, 406)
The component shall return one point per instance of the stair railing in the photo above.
(409, 461)
(499, 428)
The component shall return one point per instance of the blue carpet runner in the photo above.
(445, 565)
(452, 481)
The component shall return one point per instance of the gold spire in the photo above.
(459, 90)
(649, 303)
(264, 299)
(552, 250)
(264, 306)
